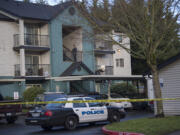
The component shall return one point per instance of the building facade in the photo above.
(111, 59)
(36, 47)
(169, 79)
(52, 47)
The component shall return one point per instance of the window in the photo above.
(57, 105)
(118, 38)
(93, 104)
(31, 32)
(78, 105)
(120, 62)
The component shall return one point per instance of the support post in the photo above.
(22, 51)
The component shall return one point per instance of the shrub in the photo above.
(31, 93)
(8, 98)
(123, 89)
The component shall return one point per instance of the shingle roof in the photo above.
(31, 10)
(169, 61)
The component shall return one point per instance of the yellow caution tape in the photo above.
(89, 101)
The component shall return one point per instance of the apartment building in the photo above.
(52, 47)
(111, 59)
(36, 43)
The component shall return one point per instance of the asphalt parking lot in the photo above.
(19, 128)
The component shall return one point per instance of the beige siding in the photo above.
(171, 89)
(126, 70)
(8, 57)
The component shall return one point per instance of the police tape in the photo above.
(86, 101)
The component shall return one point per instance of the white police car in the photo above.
(70, 114)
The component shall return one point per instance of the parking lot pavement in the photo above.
(19, 128)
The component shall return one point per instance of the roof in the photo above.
(28, 10)
(169, 61)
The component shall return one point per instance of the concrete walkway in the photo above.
(175, 133)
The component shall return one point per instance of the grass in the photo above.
(148, 126)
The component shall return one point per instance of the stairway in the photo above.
(77, 87)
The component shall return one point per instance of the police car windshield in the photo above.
(57, 105)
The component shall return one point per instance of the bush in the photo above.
(31, 93)
(8, 98)
(124, 90)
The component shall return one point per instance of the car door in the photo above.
(81, 110)
(98, 112)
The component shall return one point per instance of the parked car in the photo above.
(125, 104)
(50, 96)
(97, 96)
(71, 114)
(10, 112)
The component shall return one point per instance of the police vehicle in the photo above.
(71, 114)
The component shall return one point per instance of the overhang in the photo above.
(98, 78)
(12, 80)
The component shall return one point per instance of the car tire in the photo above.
(114, 117)
(46, 128)
(71, 122)
(10, 120)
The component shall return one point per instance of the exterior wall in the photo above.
(8, 57)
(57, 64)
(105, 60)
(110, 59)
(7, 89)
(44, 30)
(170, 77)
(126, 70)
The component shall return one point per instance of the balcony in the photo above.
(35, 43)
(103, 49)
(34, 70)
(104, 70)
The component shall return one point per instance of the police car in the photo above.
(71, 114)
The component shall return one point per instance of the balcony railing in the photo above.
(105, 45)
(32, 40)
(69, 56)
(42, 70)
(104, 70)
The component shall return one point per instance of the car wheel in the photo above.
(45, 127)
(10, 120)
(71, 122)
(115, 117)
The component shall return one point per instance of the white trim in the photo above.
(12, 80)
(8, 15)
(73, 78)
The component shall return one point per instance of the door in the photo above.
(99, 112)
(32, 65)
(81, 110)
(31, 34)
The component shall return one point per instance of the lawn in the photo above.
(148, 126)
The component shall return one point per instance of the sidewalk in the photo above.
(175, 133)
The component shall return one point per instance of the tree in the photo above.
(27, 0)
(42, 1)
(31, 93)
(151, 25)
(124, 89)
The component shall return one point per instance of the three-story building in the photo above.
(36, 46)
